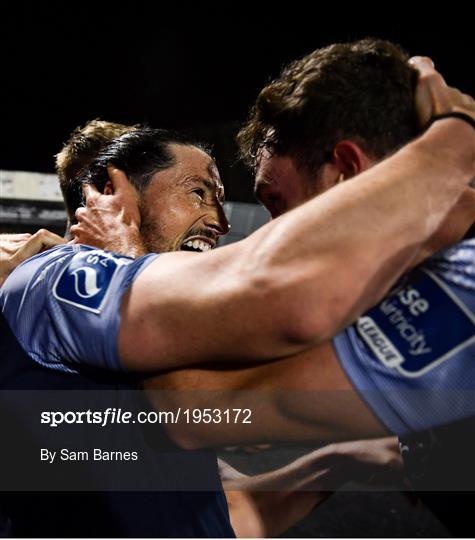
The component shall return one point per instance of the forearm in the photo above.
(268, 504)
(306, 398)
(323, 469)
(269, 514)
(298, 280)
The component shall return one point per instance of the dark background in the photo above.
(199, 69)
(184, 67)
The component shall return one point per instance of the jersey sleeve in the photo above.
(412, 357)
(64, 305)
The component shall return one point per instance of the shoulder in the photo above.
(420, 337)
(64, 305)
(65, 270)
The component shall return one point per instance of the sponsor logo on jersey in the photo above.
(409, 330)
(86, 280)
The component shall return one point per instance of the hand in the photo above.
(16, 248)
(433, 96)
(376, 461)
(257, 512)
(110, 221)
(268, 504)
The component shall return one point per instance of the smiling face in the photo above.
(182, 208)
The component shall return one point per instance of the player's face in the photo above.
(280, 186)
(182, 208)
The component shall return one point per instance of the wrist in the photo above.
(460, 115)
(451, 141)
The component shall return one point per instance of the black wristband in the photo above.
(460, 115)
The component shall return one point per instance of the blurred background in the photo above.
(186, 66)
(193, 67)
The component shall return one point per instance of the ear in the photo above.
(350, 159)
(108, 188)
(117, 182)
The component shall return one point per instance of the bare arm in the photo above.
(301, 278)
(270, 503)
(306, 398)
(287, 394)
(259, 509)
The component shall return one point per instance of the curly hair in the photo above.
(363, 91)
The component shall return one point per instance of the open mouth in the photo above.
(197, 244)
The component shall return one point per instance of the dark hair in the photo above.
(362, 91)
(81, 148)
(139, 153)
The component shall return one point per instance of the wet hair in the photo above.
(140, 153)
(362, 91)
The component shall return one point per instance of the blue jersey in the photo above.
(64, 305)
(412, 357)
(59, 328)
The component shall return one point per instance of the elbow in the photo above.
(320, 322)
(303, 313)
(330, 298)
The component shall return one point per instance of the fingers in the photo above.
(16, 248)
(91, 194)
(13, 238)
(430, 87)
(424, 65)
(82, 227)
(118, 179)
(80, 214)
(86, 231)
(41, 240)
(427, 72)
(10, 243)
(433, 97)
(76, 232)
(126, 195)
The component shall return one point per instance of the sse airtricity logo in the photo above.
(409, 332)
(85, 281)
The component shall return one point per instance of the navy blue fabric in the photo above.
(101, 514)
(64, 305)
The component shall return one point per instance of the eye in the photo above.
(200, 192)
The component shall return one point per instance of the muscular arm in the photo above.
(298, 398)
(306, 398)
(301, 278)
(270, 503)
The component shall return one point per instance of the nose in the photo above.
(216, 219)
(272, 199)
